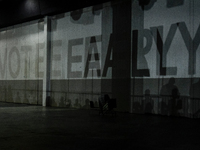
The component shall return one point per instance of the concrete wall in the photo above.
(79, 50)
(144, 55)
(21, 62)
(134, 52)
(165, 58)
(91, 52)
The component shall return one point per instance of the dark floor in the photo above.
(25, 127)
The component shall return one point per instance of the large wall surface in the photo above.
(165, 58)
(91, 55)
(143, 53)
(21, 62)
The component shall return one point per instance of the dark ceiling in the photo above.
(18, 11)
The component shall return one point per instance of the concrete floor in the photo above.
(25, 127)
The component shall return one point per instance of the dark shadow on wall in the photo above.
(148, 4)
(121, 26)
(78, 16)
(145, 103)
(53, 101)
(148, 101)
(85, 18)
(170, 89)
(195, 95)
(174, 3)
(62, 102)
(77, 104)
(68, 103)
(171, 101)
(87, 104)
(195, 90)
(138, 96)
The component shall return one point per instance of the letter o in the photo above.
(16, 73)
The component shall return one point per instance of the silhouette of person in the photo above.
(171, 90)
(53, 101)
(68, 103)
(148, 101)
(87, 104)
(77, 104)
(62, 102)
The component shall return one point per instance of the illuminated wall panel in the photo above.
(145, 56)
(20, 63)
(165, 56)
(80, 42)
